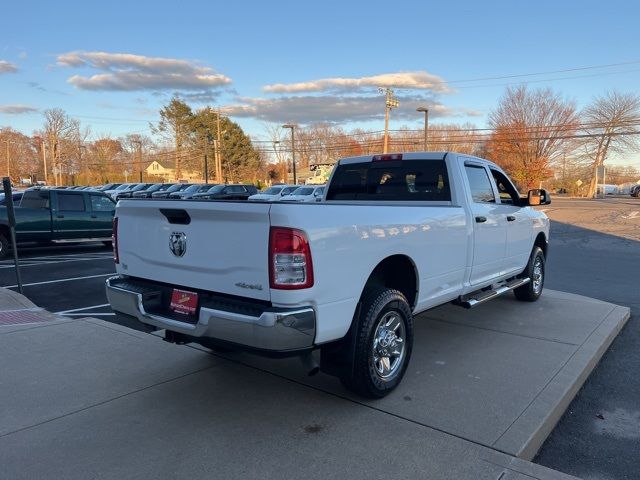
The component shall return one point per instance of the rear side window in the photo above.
(409, 180)
(102, 204)
(69, 202)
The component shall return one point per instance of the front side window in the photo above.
(35, 199)
(508, 193)
(69, 202)
(481, 191)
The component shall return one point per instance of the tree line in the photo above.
(535, 135)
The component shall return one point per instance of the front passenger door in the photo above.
(519, 224)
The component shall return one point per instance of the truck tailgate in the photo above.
(226, 244)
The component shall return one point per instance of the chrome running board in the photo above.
(485, 296)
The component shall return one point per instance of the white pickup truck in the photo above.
(395, 235)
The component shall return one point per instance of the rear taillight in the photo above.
(114, 240)
(290, 266)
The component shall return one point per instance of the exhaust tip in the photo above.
(310, 364)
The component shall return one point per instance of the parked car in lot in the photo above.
(108, 186)
(305, 194)
(274, 193)
(634, 191)
(227, 192)
(114, 192)
(138, 187)
(396, 235)
(190, 191)
(47, 215)
(148, 192)
(176, 187)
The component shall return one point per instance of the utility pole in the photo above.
(44, 160)
(218, 149)
(139, 156)
(390, 102)
(426, 125)
(293, 151)
(207, 139)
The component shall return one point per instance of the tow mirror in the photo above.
(538, 196)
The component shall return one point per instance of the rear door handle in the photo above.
(511, 218)
(481, 219)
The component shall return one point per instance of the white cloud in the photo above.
(129, 72)
(330, 108)
(7, 67)
(408, 80)
(17, 109)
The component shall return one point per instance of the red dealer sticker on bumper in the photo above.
(184, 302)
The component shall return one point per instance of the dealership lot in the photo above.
(594, 252)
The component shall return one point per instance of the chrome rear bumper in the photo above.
(274, 329)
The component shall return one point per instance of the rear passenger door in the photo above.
(102, 212)
(71, 216)
(489, 232)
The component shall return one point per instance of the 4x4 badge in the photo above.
(178, 243)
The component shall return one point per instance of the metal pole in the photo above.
(11, 217)
(293, 156)
(44, 160)
(218, 149)
(206, 161)
(426, 129)
(386, 128)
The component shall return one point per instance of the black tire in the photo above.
(4, 247)
(535, 270)
(366, 375)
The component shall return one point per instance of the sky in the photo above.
(113, 65)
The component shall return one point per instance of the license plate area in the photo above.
(184, 303)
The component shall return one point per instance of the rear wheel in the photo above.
(382, 345)
(535, 270)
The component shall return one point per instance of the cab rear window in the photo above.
(412, 180)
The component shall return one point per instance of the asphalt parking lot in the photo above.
(64, 279)
(595, 251)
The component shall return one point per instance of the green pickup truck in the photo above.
(47, 216)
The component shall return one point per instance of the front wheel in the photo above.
(535, 271)
(382, 344)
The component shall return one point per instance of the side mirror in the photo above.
(538, 196)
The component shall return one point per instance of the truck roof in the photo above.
(415, 156)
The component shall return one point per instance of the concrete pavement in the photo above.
(84, 398)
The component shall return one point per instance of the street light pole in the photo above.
(426, 125)
(293, 151)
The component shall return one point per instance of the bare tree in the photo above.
(532, 130)
(610, 121)
(59, 131)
